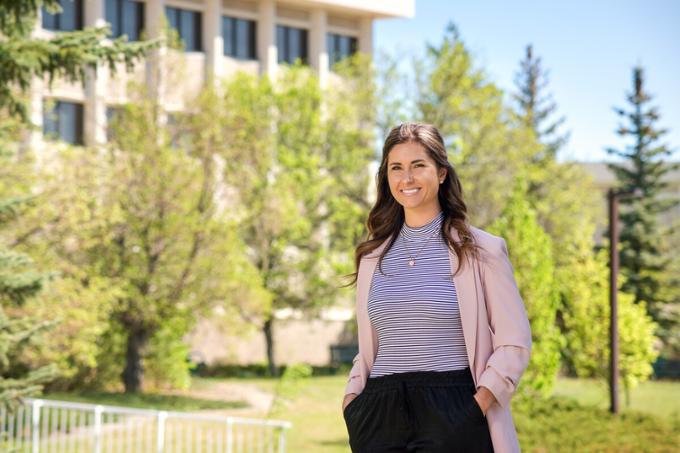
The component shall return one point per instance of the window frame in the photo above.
(251, 47)
(284, 51)
(333, 48)
(53, 22)
(53, 127)
(176, 23)
(118, 27)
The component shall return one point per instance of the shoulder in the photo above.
(493, 247)
(490, 242)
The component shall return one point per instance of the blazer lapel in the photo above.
(466, 291)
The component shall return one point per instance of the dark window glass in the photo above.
(70, 18)
(239, 38)
(112, 114)
(126, 18)
(340, 46)
(188, 26)
(291, 44)
(64, 121)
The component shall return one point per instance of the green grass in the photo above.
(575, 419)
(146, 401)
(660, 398)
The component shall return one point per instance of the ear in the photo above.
(442, 173)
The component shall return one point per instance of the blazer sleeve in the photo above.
(508, 322)
(366, 336)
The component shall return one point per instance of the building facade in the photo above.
(218, 37)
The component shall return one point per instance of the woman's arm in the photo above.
(510, 329)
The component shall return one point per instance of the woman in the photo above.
(443, 333)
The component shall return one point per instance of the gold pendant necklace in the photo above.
(411, 258)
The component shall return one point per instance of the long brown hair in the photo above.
(387, 216)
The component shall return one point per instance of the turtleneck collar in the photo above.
(425, 231)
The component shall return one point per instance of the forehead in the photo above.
(407, 152)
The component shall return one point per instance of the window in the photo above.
(188, 26)
(113, 113)
(70, 18)
(291, 43)
(239, 38)
(63, 121)
(126, 18)
(340, 47)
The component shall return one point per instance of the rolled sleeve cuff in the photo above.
(354, 385)
(501, 388)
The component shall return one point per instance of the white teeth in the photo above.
(409, 191)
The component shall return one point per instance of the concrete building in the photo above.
(219, 37)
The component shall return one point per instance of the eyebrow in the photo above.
(413, 162)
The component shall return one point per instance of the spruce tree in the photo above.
(17, 283)
(536, 108)
(643, 260)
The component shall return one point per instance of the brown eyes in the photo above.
(416, 166)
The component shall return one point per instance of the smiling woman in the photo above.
(414, 180)
(443, 334)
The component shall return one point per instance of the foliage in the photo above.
(485, 146)
(644, 260)
(296, 159)
(587, 326)
(530, 251)
(65, 56)
(535, 108)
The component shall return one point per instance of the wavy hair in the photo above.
(386, 218)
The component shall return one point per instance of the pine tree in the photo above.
(536, 109)
(643, 259)
(17, 283)
(22, 57)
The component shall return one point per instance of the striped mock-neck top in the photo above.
(414, 309)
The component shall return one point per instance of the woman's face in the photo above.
(413, 177)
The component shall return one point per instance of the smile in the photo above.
(408, 192)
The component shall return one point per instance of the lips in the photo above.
(410, 192)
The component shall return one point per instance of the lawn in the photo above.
(574, 419)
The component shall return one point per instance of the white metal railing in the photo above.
(46, 426)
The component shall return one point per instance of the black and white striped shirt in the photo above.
(415, 309)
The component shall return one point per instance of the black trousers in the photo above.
(424, 411)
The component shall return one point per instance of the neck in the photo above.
(418, 218)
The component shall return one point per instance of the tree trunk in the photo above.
(268, 330)
(133, 374)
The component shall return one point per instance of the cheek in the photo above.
(392, 182)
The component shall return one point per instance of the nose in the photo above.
(409, 175)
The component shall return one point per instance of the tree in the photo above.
(18, 282)
(536, 109)
(486, 147)
(566, 211)
(297, 162)
(530, 251)
(22, 57)
(644, 166)
(587, 326)
(65, 56)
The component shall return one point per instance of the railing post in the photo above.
(282, 440)
(35, 416)
(230, 435)
(160, 431)
(98, 428)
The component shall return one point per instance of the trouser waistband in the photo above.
(462, 377)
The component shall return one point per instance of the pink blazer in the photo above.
(495, 326)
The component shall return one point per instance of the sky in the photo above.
(589, 48)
